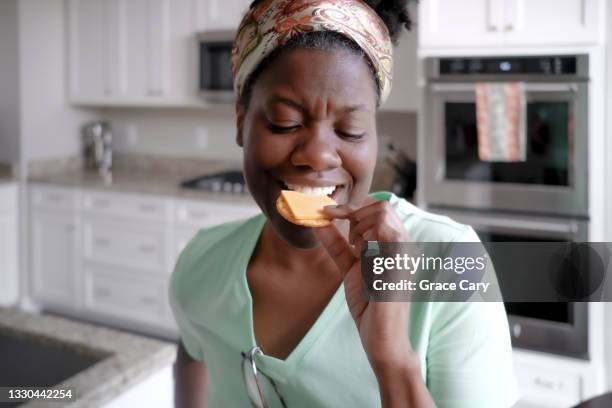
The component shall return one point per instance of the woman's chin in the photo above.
(295, 235)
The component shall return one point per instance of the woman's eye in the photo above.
(283, 128)
(351, 135)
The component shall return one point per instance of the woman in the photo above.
(271, 313)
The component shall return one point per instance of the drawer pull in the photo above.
(148, 300)
(100, 204)
(198, 214)
(53, 198)
(148, 208)
(147, 248)
(102, 292)
(101, 242)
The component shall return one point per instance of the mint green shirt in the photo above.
(464, 348)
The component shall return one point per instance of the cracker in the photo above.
(285, 211)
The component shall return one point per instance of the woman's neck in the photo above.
(271, 245)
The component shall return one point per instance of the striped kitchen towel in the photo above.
(500, 118)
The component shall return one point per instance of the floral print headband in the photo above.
(272, 23)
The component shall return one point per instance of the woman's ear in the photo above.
(240, 112)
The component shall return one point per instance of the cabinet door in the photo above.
(552, 22)
(452, 23)
(144, 42)
(8, 258)
(220, 14)
(54, 258)
(94, 58)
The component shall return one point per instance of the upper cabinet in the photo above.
(220, 14)
(500, 23)
(132, 52)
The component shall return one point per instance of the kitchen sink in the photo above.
(36, 361)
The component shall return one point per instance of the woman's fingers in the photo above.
(337, 247)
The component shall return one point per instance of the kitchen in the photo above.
(94, 249)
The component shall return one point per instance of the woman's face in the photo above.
(310, 124)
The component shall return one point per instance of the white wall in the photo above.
(176, 132)
(9, 83)
(49, 126)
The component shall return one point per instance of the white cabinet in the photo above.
(9, 289)
(500, 23)
(132, 52)
(552, 22)
(109, 255)
(220, 14)
(55, 249)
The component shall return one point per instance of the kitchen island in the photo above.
(122, 368)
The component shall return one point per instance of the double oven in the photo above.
(543, 198)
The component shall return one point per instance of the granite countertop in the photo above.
(156, 175)
(138, 174)
(130, 358)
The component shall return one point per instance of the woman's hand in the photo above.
(383, 326)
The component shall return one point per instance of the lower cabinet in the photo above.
(126, 294)
(109, 255)
(54, 258)
(9, 289)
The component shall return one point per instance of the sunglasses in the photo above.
(257, 382)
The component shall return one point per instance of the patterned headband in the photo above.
(273, 22)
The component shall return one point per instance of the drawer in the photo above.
(550, 387)
(125, 294)
(128, 205)
(199, 214)
(126, 244)
(8, 197)
(52, 197)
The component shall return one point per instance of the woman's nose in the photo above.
(317, 150)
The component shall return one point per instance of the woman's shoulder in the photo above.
(212, 250)
(425, 226)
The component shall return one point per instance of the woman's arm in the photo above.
(382, 326)
(190, 381)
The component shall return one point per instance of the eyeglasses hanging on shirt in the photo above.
(258, 384)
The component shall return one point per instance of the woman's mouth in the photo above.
(328, 190)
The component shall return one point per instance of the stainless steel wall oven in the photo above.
(552, 179)
(543, 198)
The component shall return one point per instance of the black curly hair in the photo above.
(394, 13)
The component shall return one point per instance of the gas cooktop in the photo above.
(229, 182)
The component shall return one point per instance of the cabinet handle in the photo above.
(147, 248)
(100, 203)
(509, 27)
(102, 292)
(492, 27)
(101, 242)
(53, 198)
(147, 300)
(197, 214)
(148, 208)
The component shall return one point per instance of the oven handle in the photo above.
(568, 230)
(529, 87)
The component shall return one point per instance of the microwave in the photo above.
(214, 65)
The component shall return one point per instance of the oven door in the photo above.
(551, 327)
(553, 179)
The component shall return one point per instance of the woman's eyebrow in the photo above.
(285, 101)
(296, 105)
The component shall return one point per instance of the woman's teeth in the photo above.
(314, 191)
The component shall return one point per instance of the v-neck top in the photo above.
(464, 347)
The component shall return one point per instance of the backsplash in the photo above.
(211, 134)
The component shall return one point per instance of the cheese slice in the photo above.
(306, 207)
